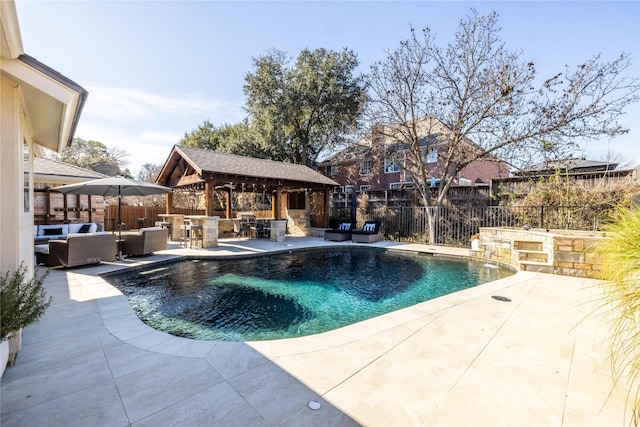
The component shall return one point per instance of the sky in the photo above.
(156, 70)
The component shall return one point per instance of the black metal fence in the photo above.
(455, 225)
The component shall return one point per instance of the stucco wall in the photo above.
(16, 226)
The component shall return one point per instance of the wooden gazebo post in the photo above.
(229, 200)
(327, 207)
(277, 207)
(168, 206)
(209, 191)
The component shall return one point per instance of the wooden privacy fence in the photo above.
(134, 217)
(455, 225)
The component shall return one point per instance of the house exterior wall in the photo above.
(39, 109)
(16, 225)
(348, 172)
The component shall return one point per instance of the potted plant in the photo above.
(22, 301)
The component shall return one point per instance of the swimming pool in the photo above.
(290, 294)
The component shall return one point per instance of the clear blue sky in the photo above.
(157, 69)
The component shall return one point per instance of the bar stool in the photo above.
(195, 236)
(184, 235)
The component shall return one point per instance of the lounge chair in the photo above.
(369, 233)
(341, 233)
(82, 249)
(147, 241)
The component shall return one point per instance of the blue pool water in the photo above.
(290, 294)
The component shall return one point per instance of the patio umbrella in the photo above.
(115, 186)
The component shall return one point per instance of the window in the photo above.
(365, 188)
(365, 167)
(332, 170)
(431, 156)
(395, 186)
(349, 189)
(465, 182)
(391, 166)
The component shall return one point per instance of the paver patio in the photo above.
(462, 359)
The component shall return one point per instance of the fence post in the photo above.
(541, 216)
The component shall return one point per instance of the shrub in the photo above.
(22, 300)
(621, 275)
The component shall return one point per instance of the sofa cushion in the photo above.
(61, 230)
(52, 231)
(150, 229)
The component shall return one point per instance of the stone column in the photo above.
(278, 230)
(210, 231)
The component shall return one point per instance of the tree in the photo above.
(486, 98)
(149, 172)
(95, 156)
(242, 139)
(307, 108)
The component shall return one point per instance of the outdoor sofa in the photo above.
(81, 249)
(45, 232)
(341, 233)
(369, 233)
(147, 241)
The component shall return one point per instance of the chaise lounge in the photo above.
(147, 241)
(369, 233)
(341, 233)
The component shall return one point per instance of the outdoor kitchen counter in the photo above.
(176, 220)
(209, 228)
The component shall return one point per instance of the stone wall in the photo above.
(569, 253)
(298, 222)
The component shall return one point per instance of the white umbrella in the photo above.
(114, 186)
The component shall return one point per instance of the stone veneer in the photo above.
(564, 252)
(278, 230)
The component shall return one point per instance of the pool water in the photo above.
(290, 294)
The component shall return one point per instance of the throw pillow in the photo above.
(369, 228)
(52, 231)
(344, 226)
(85, 228)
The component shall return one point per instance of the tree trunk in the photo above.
(432, 221)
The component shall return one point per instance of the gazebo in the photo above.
(291, 188)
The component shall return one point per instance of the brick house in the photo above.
(377, 164)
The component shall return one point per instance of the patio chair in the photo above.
(83, 249)
(147, 241)
(260, 230)
(369, 233)
(341, 233)
(242, 228)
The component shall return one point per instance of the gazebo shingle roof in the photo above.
(230, 164)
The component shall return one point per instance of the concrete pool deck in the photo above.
(464, 359)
